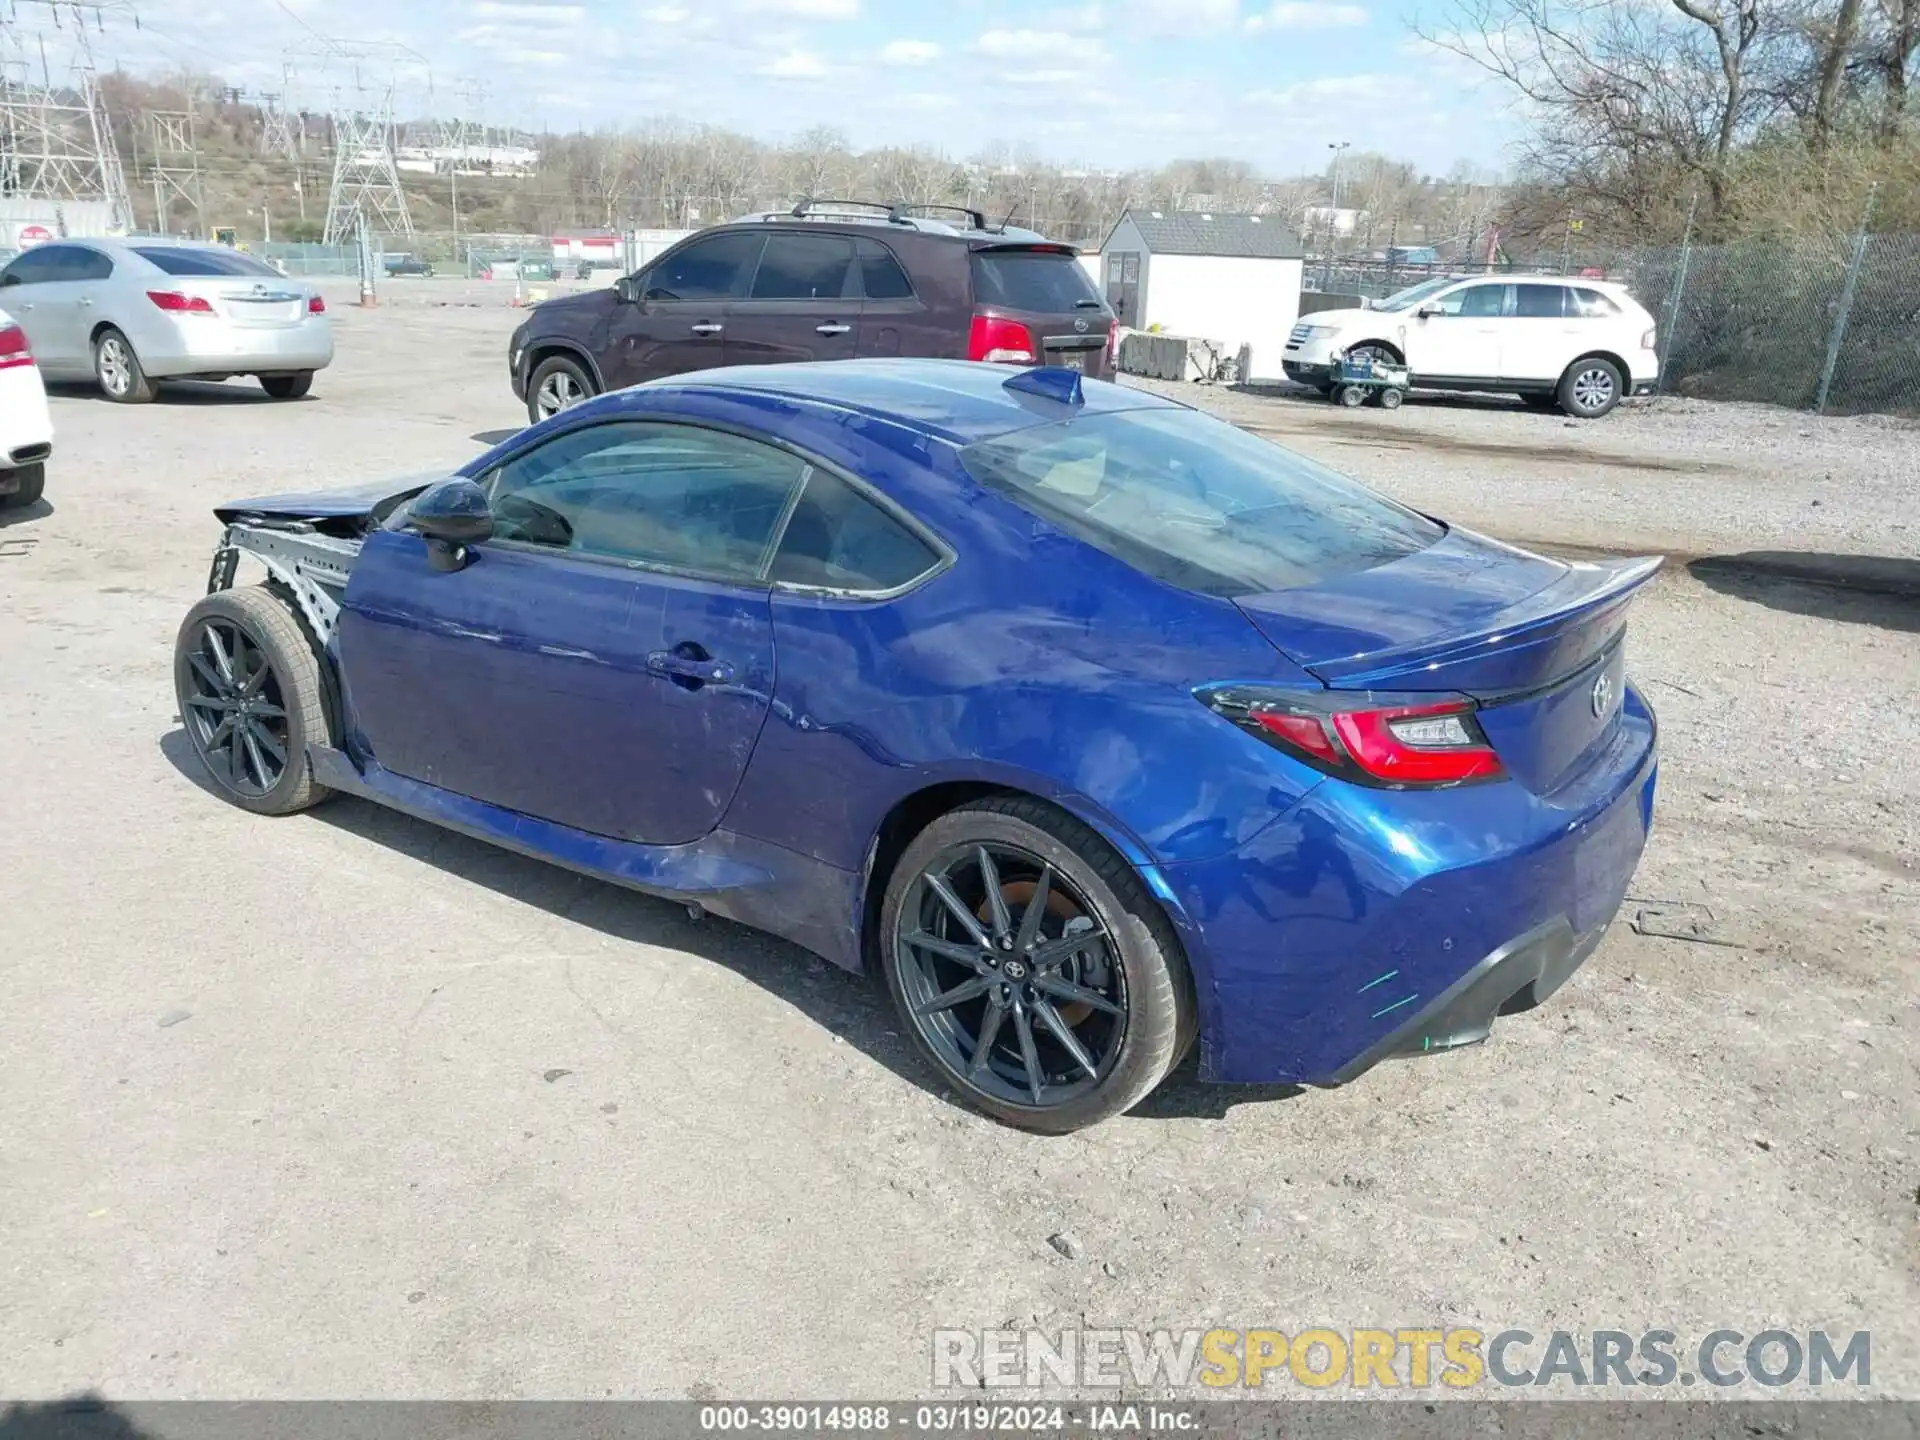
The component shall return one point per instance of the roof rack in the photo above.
(974, 217)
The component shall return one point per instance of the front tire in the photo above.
(1590, 388)
(252, 699)
(118, 370)
(1032, 968)
(557, 384)
(33, 484)
(287, 387)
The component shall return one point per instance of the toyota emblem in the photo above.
(1602, 695)
(1081, 326)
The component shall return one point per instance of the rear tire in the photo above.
(118, 370)
(287, 387)
(1124, 995)
(252, 699)
(1590, 388)
(557, 384)
(33, 484)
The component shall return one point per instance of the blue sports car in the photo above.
(1093, 724)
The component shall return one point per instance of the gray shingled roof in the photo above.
(1190, 232)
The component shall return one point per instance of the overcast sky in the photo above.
(1111, 83)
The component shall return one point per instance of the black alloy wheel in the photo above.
(236, 711)
(1032, 967)
(247, 677)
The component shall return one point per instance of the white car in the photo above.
(1576, 344)
(26, 430)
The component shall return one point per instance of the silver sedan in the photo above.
(130, 313)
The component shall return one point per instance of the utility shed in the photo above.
(1230, 279)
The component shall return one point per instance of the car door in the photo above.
(678, 321)
(803, 302)
(606, 660)
(894, 320)
(37, 292)
(1543, 337)
(1456, 335)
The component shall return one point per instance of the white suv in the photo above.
(26, 432)
(1576, 344)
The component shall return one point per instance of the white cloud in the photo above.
(1299, 15)
(1179, 17)
(529, 14)
(810, 9)
(666, 14)
(909, 52)
(1080, 17)
(795, 65)
(1012, 43)
(1308, 94)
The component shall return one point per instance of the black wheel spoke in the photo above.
(222, 660)
(996, 902)
(1062, 989)
(1056, 953)
(940, 887)
(222, 733)
(989, 1032)
(263, 738)
(267, 712)
(215, 684)
(1063, 1032)
(947, 949)
(258, 761)
(1035, 914)
(968, 989)
(1029, 1055)
(210, 702)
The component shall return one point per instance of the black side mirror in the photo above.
(630, 288)
(1426, 312)
(452, 515)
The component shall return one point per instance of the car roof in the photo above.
(960, 401)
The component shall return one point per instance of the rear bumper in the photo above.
(215, 348)
(1366, 924)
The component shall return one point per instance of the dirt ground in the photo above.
(343, 1106)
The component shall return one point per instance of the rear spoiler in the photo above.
(1595, 593)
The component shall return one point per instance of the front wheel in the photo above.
(556, 384)
(252, 699)
(30, 483)
(1032, 968)
(287, 387)
(118, 370)
(1590, 388)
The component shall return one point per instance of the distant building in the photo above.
(1231, 279)
(1326, 220)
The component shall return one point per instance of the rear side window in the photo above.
(880, 273)
(1539, 302)
(712, 269)
(1196, 503)
(1047, 281)
(839, 539)
(1592, 305)
(804, 267)
(177, 260)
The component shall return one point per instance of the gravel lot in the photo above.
(342, 1106)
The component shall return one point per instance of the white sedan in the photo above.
(26, 430)
(130, 313)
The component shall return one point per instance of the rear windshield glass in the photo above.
(1197, 503)
(177, 261)
(1040, 280)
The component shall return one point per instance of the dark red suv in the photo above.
(826, 281)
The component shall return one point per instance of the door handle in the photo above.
(834, 328)
(701, 669)
(706, 328)
(85, 303)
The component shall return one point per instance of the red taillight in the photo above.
(1000, 341)
(14, 349)
(316, 306)
(173, 302)
(1418, 744)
